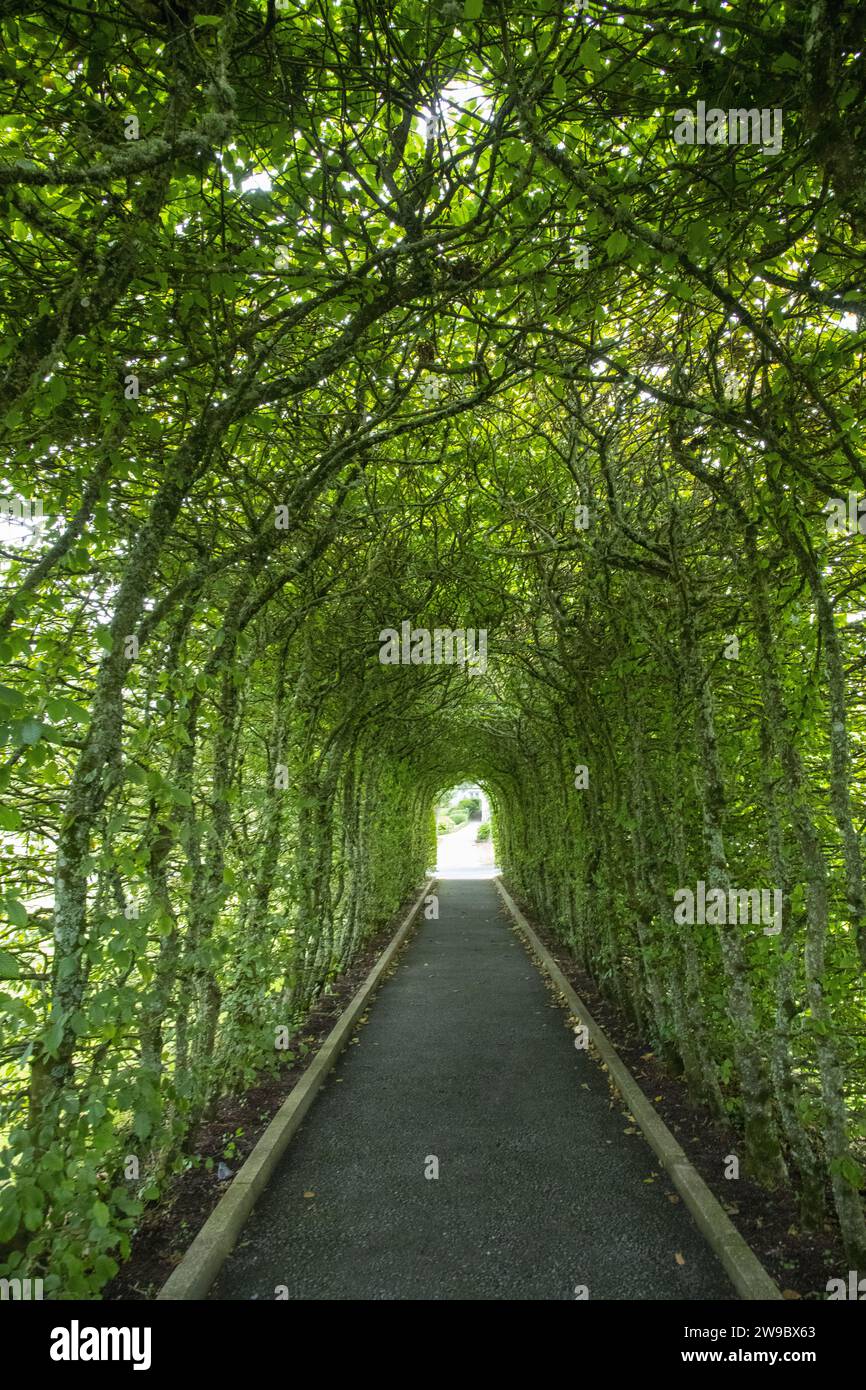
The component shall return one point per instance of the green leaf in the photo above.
(9, 966)
(104, 1268)
(590, 54)
(15, 912)
(616, 243)
(53, 1036)
(10, 1217)
(30, 731)
(33, 1217)
(101, 1214)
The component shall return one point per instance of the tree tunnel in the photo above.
(367, 434)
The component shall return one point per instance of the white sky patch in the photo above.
(261, 181)
(16, 532)
(452, 99)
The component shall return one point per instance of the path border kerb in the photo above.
(740, 1262)
(210, 1249)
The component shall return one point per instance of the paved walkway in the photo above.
(459, 855)
(539, 1189)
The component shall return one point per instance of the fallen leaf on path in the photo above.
(680, 1259)
(791, 1293)
(309, 1194)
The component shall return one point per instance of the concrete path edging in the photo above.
(739, 1261)
(209, 1250)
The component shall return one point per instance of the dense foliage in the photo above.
(323, 317)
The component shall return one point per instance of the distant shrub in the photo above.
(458, 815)
(483, 832)
(443, 825)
